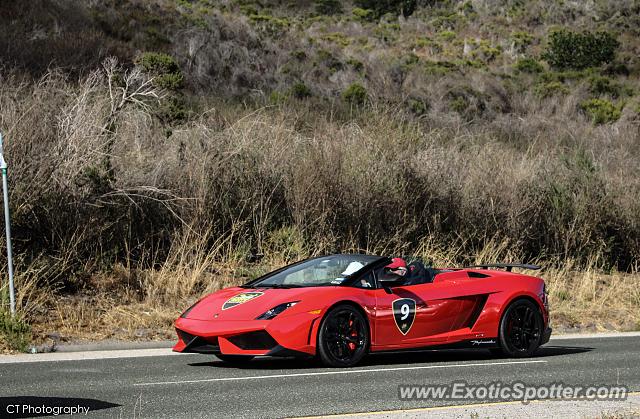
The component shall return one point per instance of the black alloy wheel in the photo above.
(521, 329)
(343, 338)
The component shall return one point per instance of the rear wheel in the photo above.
(343, 337)
(521, 329)
(235, 359)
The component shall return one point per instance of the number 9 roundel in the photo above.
(404, 312)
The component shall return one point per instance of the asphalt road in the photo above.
(193, 386)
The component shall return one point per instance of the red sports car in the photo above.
(342, 307)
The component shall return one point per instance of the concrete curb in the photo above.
(594, 335)
(114, 346)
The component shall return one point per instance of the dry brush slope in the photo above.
(131, 198)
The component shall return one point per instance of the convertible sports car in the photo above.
(341, 307)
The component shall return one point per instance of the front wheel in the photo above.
(521, 329)
(235, 359)
(343, 337)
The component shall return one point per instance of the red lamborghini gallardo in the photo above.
(341, 307)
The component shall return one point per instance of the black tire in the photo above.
(521, 329)
(235, 359)
(343, 337)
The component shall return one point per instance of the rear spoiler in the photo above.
(507, 266)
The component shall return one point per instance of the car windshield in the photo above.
(327, 270)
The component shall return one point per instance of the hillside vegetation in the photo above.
(159, 149)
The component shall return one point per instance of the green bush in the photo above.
(14, 331)
(270, 25)
(356, 65)
(549, 89)
(173, 81)
(277, 98)
(418, 106)
(617, 69)
(300, 91)
(439, 67)
(328, 7)
(447, 35)
(567, 49)
(363, 14)
(521, 40)
(163, 68)
(337, 38)
(157, 63)
(601, 111)
(355, 94)
(459, 104)
(382, 7)
(173, 110)
(599, 85)
(528, 65)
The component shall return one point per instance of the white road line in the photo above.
(351, 371)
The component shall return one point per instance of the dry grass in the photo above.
(132, 303)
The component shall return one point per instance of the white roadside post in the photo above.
(7, 222)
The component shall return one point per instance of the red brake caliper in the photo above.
(353, 334)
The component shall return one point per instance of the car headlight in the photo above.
(271, 313)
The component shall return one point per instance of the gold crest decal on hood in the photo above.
(240, 298)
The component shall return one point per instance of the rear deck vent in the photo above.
(473, 274)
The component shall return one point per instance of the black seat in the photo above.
(417, 273)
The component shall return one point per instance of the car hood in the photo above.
(248, 303)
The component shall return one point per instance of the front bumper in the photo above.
(289, 336)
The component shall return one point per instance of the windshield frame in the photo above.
(349, 279)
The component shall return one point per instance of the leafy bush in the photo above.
(328, 7)
(521, 40)
(14, 331)
(270, 25)
(337, 38)
(447, 35)
(157, 63)
(173, 81)
(300, 91)
(381, 7)
(602, 111)
(173, 110)
(528, 65)
(277, 98)
(551, 88)
(567, 49)
(439, 67)
(355, 94)
(357, 65)
(617, 69)
(363, 14)
(599, 85)
(459, 104)
(163, 68)
(418, 106)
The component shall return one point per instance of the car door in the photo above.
(418, 315)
